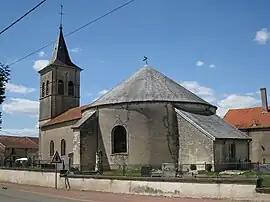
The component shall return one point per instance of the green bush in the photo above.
(208, 167)
(193, 167)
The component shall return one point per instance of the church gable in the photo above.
(195, 145)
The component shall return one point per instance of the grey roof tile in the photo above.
(214, 125)
(147, 84)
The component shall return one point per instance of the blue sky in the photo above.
(217, 49)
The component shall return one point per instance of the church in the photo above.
(148, 119)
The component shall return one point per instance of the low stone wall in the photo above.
(198, 188)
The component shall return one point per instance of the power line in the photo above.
(74, 31)
(22, 17)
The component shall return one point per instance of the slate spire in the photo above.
(60, 54)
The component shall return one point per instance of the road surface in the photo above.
(24, 193)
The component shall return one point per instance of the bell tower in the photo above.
(59, 82)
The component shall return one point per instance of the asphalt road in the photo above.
(10, 195)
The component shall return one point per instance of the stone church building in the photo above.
(147, 119)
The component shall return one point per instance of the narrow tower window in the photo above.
(47, 87)
(51, 148)
(43, 89)
(63, 147)
(60, 87)
(70, 88)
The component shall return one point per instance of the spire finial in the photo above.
(146, 60)
(61, 16)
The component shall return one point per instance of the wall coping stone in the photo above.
(29, 169)
(219, 180)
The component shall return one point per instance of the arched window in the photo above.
(70, 88)
(47, 87)
(43, 89)
(63, 147)
(51, 148)
(60, 87)
(119, 140)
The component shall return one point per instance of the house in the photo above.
(255, 122)
(147, 119)
(14, 147)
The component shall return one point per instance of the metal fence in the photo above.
(166, 169)
(169, 169)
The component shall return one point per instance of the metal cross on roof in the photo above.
(61, 18)
(145, 60)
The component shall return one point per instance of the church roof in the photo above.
(148, 84)
(69, 115)
(212, 125)
(60, 55)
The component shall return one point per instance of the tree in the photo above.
(4, 78)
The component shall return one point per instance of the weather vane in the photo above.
(145, 59)
(61, 18)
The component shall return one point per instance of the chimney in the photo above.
(264, 100)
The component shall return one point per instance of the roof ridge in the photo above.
(246, 108)
(32, 140)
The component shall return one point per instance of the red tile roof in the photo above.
(248, 118)
(19, 142)
(71, 114)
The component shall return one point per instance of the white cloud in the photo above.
(103, 92)
(40, 64)
(226, 101)
(262, 36)
(75, 50)
(234, 101)
(14, 88)
(21, 106)
(202, 91)
(41, 54)
(212, 66)
(199, 63)
(30, 132)
(238, 101)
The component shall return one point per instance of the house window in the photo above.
(60, 87)
(63, 147)
(12, 151)
(119, 140)
(232, 151)
(70, 88)
(43, 89)
(47, 87)
(51, 148)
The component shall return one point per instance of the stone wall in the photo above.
(88, 144)
(234, 190)
(195, 147)
(260, 145)
(149, 130)
(57, 133)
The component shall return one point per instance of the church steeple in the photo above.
(59, 82)
(60, 54)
